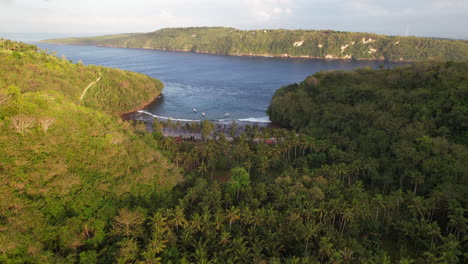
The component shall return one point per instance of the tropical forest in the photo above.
(361, 166)
(328, 44)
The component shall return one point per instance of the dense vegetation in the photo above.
(408, 124)
(286, 43)
(66, 170)
(117, 91)
(374, 171)
(290, 198)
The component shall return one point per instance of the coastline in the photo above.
(284, 56)
(126, 115)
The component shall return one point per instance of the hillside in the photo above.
(68, 168)
(372, 170)
(116, 92)
(325, 44)
(408, 123)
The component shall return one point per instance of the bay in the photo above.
(216, 85)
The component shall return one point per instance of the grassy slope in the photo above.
(118, 91)
(319, 44)
(62, 187)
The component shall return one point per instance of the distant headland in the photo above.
(316, 44)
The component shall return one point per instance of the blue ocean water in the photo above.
(213, 84)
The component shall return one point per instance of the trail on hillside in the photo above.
(89, 86)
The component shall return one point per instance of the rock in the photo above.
(366, 41)
(344, 47)
(298, 43)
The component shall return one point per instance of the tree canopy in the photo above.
(326, 44)
(372, 169)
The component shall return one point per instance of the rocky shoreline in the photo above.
(127, 115)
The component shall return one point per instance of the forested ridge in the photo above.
(372, 170)
(117, 91)
(326, 44)
(68, 168)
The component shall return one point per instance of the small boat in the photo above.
(203, 114)
(227, 114)
(194, 110)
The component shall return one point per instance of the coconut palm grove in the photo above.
(361, 166)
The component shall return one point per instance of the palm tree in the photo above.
(233, 214)
(417, 178)
(218, 221)
(406, 260)
(203, 168)
(309, 231)
(450, 251)
(201, 254)
(379, 204)
(325, 248)
(241, 250)
(177, 217)
(225, 238)
(157, 245)
(457, 221)
(347, 255)
(334, 209)
(417, 206)
(248, 165)
(196, 222)
(346, 217)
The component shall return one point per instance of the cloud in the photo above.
(268, 10)
(167, 18)
(450, 6)
(368, 8)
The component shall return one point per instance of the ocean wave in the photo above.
(265, 119)
(250, 120)
(168, 118)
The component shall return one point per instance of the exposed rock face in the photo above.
(366, 41)
(344, 47)
(298, 43)
(372, 50)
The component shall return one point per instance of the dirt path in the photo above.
(89, 86)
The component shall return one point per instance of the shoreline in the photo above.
(126, 115)
(255, 55)
(129, 115)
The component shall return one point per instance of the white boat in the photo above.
(194, 110)
(203, 114)
(227, 114)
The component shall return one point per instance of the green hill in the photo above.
(373, 170)
(67, 167)
(326, 44)
(409, 123)
(117, 91)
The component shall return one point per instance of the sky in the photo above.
(432, 18)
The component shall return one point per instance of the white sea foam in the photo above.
(250, 120)
(168, 118)
(265, 119)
